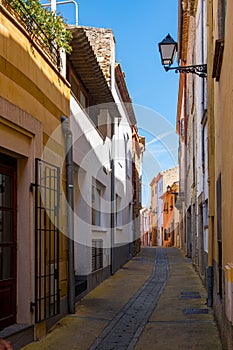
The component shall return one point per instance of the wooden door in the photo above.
(7, 241)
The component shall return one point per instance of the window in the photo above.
(166, 234)
(74, 86)
(194, 150)
(97, 194)
(188, 153)
(118, 211)
(205, 213)
(182, 127)
(83, 100)
(165, 208)
(171, 203)
(221, 18)
(97, 254)
(79, 91)
(205, 225)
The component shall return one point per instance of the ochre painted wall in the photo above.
(34, 96)
(28, 80)
(223, 111)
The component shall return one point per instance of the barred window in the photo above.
(97, 254)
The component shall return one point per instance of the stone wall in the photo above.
(102, 41)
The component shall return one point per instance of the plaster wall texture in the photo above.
(168, 177)
(28, 80)
(103, 43)
(29, 85)
(91, 155)
(221, 102)
(223, 106)
(200, 104)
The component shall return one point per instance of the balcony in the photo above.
(18, 13)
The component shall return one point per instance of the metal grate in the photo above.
(97, 254)
(47, 195)
(190, 295)
(196, 311)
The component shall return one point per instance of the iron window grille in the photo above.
(47, 204)
(97, 254)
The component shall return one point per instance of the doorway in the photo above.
(8, 237)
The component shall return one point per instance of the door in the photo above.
(7, 241)
(47, 204)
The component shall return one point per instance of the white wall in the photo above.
(90, 154)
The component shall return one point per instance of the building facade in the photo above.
(159, 186)
(171, 236)
(220, 165)
(204, 126)
(34, 96)
(192, 127)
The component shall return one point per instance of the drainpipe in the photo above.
(113, 202)
(70, 217)
(112, 217)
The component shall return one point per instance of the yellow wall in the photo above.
(223, 112)
(28, 80)
(33, 97)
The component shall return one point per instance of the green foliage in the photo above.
(51, 25)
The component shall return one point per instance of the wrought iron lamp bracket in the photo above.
(199, 69)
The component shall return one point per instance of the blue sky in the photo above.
(138, 26)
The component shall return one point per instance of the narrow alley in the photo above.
(155, 301)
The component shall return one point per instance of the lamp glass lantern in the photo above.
(167, 49)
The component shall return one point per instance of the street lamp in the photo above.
(168, 49)
(169, 190)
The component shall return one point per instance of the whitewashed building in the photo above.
(101, 126)
(192, 127)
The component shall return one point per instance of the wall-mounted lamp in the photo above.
(168, 49)
(170, 191)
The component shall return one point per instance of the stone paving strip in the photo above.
(125, 328)
(156, 301)
(94, 312)
(181, 319)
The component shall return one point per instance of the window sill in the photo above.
(99, 229)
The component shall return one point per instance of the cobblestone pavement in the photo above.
(126, 327)
(155, 301)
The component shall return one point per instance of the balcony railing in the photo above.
(29, 23)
